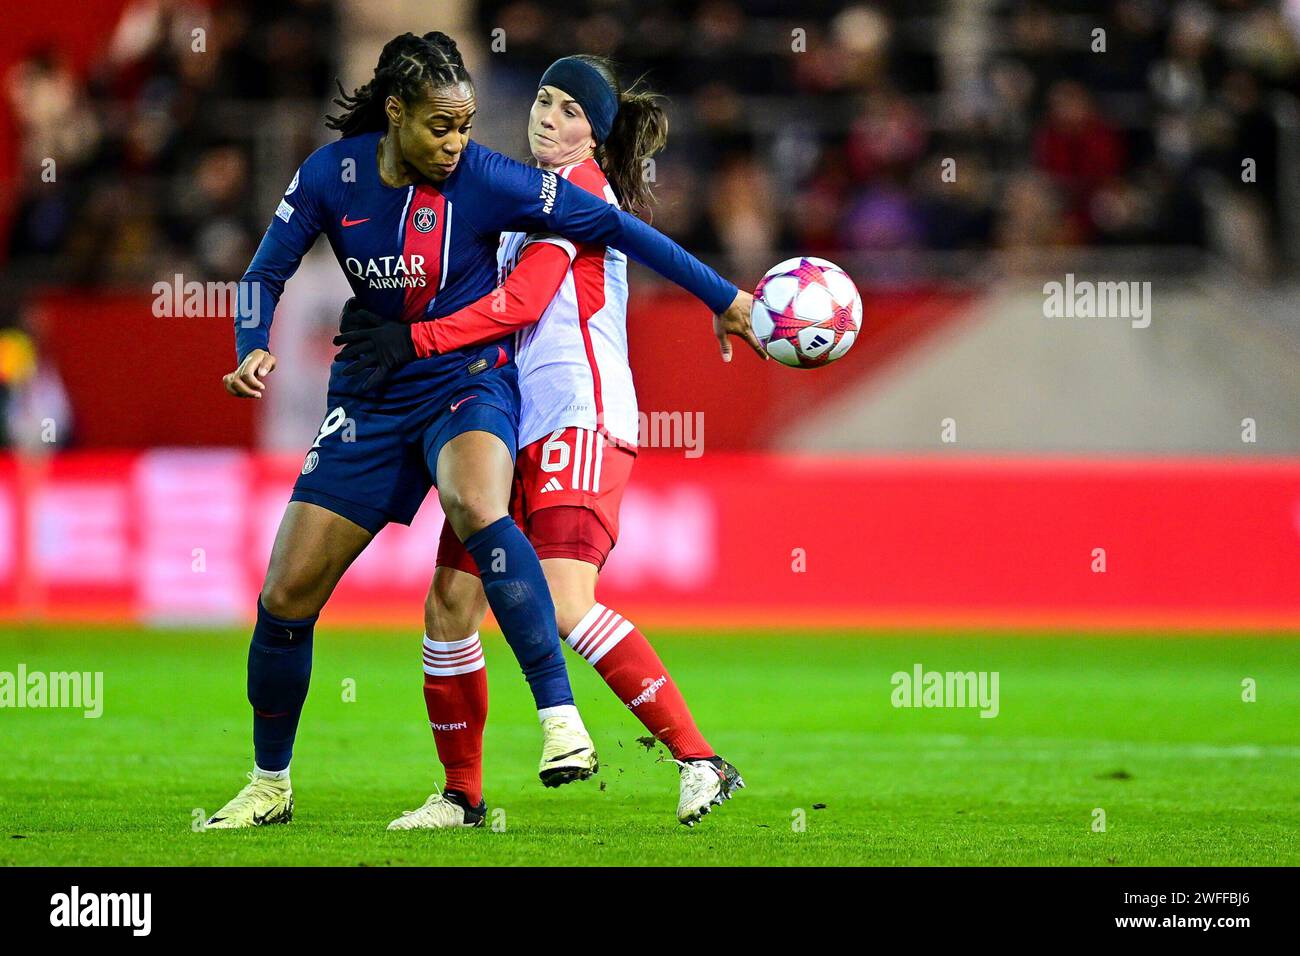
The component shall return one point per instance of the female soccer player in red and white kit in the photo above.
(578, 436)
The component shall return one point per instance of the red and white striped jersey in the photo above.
(573, 364)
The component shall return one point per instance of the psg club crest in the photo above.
(424, 219)
(309, 465)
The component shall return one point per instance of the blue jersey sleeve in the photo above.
(298, 220)
(526, 199)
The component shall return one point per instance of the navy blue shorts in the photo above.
(375, 462)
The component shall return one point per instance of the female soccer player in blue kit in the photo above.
(569, 304)
(413, 210)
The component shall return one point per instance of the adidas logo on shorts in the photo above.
(552, 485)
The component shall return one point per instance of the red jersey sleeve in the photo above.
(590, 177)
(516, 303)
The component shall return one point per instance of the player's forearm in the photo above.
(590, 218)
(259, 291)
(652, 248)
(253, 316)
(519, 302)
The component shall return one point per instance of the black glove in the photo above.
(355, 317)
(372, 345)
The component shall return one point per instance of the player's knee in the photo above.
(291, 598)
(469, 511)
(571, 606)
(449, 617)
(572, 591)
(569, 614)
(447, 624)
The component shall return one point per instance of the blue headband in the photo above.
(584, 83)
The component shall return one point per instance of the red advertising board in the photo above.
(721, 539)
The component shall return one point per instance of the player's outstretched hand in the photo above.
(246, 381)
(371, 346)
(735, 321)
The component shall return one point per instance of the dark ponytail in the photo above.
(409, 67)
(640, 131)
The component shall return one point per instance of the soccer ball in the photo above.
(807, 312)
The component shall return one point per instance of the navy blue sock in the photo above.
(516, 589)
(279, 670)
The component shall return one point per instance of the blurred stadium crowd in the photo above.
(821, 130)
(153, 146)
(822, 127)
(835, 139)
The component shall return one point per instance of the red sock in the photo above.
(455, 694)
(624, 658)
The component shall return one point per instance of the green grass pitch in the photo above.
(1150, 729)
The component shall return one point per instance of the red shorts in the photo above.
(568, 488)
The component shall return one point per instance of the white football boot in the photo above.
(704, 785)
(568, 753)
(441, 812)
(263, 801)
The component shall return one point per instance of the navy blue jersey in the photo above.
(422, 251)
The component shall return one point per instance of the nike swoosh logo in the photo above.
(353, 222)
(456, 405)
(569, 754)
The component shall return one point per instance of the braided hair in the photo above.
(408, 68)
